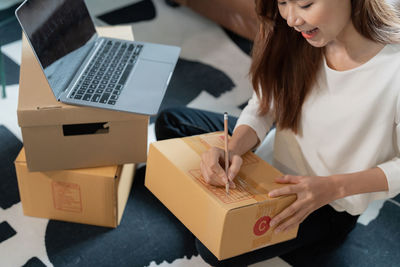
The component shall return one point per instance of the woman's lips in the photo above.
(310, 34)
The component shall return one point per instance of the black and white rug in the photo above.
(211, 74)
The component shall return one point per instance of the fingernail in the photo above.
(271, 194)
(277, 230)
(272, 223)
(230, 177)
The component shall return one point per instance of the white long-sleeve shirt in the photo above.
(350, 122)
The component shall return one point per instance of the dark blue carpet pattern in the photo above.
(148, 231)
(9, 149)
(187, 85)
(6, 231)
(140, 11)
(376, 244)
(9, 32)
(34, 262)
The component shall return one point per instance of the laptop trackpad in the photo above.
(146, 87)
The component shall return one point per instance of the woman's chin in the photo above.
(317, 43)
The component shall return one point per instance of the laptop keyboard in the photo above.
(106, 74)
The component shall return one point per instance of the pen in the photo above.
(226, 151)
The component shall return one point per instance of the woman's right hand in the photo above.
(212, 167)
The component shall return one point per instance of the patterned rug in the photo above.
(211, 74)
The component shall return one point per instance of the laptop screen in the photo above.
(61, 34)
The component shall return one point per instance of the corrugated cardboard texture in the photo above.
(92, 196)
(42, 118)
(228, 225)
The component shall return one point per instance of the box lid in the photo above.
(254, 181)
(37, 104)
(105, 171)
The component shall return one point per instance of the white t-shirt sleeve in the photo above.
(392, 168)
(261, 124)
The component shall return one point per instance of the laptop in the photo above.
(85, 69)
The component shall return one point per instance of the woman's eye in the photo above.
(307, 6)
(281, 3)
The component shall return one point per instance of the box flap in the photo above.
(37, 104)
(105, 171)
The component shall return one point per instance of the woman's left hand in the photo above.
(312, 193)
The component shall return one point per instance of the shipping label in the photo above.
(67, 197)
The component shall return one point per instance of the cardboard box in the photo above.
(92, 196)
(59, 136)
(228, 225)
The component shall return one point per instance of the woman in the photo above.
(327, 74)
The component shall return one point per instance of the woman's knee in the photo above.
(166, 124)
(183, 121)
(205, 254)
(208, 257)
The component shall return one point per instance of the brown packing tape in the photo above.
(244, 184)
(195, 143)
(263, 232)
(258, 193)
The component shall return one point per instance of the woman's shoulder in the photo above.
(390, 56)
(393, 49)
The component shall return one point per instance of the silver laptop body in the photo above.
(85, 69)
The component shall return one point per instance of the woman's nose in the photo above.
(293, 19)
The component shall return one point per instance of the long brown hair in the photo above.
(285, 66)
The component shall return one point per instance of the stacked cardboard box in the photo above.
(92, 195)
(62, 144)
(228, 225)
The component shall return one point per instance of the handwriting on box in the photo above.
(243, 191)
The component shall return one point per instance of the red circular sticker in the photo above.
(262, 225)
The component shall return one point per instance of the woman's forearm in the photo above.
(372, 180)
(243, 139)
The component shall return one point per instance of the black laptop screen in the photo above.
(61, 34)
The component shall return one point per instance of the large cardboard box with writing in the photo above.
(228, 225)
(59, 136)
(92, 196)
